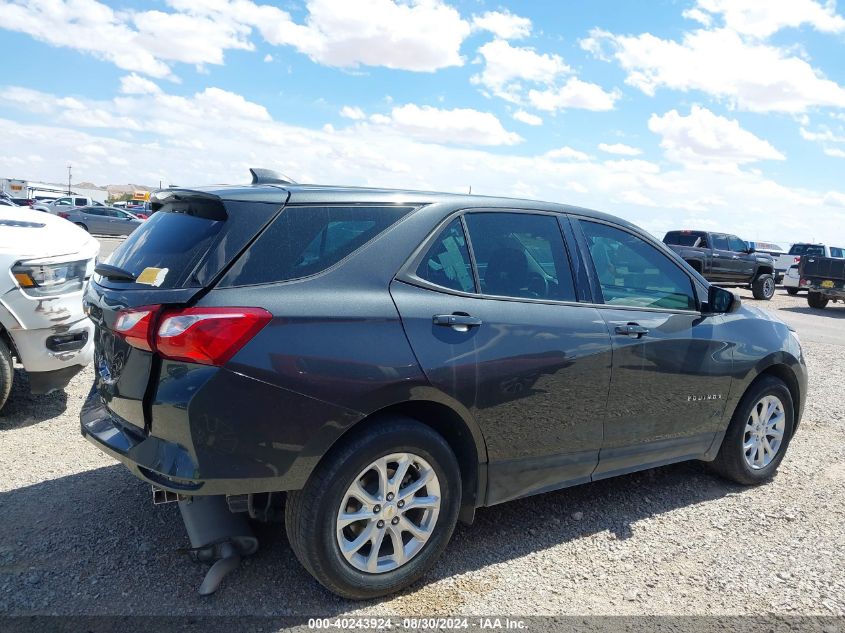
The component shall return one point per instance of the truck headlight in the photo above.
(41, 280)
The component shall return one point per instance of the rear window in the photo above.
(306, 240)
(685, 238)
(807, 249)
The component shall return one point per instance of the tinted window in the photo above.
(92, 211)
(686, 238)
(634, 273)
(720, 242)
(520, 255)
(836, 252)
(447, 261)
(81, 202)
(304, 241)
(737, 245)
(807, 249)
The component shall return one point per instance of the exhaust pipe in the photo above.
(217, 536)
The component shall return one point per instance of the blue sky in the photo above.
(723, 114)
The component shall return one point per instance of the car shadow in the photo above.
(94, 543)
(830, 311)
(24, 409)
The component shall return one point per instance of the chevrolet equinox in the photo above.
(377, 364)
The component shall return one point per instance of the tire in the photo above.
(81, 226)
(732, 462)
(312, 514)
(7, 373)
(763, 287)
(792, 291)
(817, 300)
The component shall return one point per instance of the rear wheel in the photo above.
(792, 291)
(758, 435)
(817, 300)
(378, 512)
(763, 287)
(7, 372)
(81, 226)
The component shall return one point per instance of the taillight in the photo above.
(797, 259)
(208, 336)
(63, 214)
(135, 326)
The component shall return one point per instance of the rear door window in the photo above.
(306, 240)
(520, 255)
(447, 263)
(720, 242)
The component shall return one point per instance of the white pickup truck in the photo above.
(44, 264)
(791, 261)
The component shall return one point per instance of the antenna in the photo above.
(269, 177)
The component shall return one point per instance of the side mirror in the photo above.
(751, 249)
(721, 301)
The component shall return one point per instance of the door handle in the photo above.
(716, 255)
(632, 329)
(457, 321)
(735, 257)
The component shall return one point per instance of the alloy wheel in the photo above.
(764, 432)
(388, 513)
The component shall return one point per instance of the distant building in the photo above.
(45, 190)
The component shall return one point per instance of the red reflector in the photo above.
(134, 326)
(209, 336)
(63, 214)
(797, 259)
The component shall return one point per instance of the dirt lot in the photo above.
(80, 535)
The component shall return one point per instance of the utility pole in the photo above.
(68, 178)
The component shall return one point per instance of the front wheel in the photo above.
(817, 300)
(377, 512)
(763, 287)
(7, 372)
(758, 435)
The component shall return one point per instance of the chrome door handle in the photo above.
(632, 329)
(456, 321)
(735, 257)
(716, 255)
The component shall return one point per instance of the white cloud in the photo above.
(214, 136)
(762, 18)
(268, 58)
(527, 118)
(826, 134)
(507, 67)
(835, 152)
(352, 112)
(462, 126)
(573, 94)
(136, 85)
(566, 153)
(749, 75)
(620, 148)
(503, 24)
(419, 35)
(706, 139)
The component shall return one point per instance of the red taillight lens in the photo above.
(135, 326)
(209, 336)
(797, 259)
(63, 214)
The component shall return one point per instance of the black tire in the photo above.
(763, 287)
(81, 226)
(817, 300)
(730, 462)
(792, 291)
(7, 372)
(310, 513)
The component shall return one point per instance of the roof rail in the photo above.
(269, 177)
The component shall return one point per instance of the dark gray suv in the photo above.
(381, 363)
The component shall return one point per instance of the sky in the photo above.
(721, 115)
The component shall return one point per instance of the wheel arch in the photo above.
(765, 270)
(787, 376)
(462, 434)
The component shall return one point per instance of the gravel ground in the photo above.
(81, 536)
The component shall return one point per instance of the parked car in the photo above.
(389, 361)
(66, 203)
(102, 220)
(792, 280)
(823, 278)
(23, 202)
(725, 259)
(44, 262)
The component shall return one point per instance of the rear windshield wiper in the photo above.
(113, 273)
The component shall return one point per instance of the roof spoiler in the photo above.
(269, 177)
